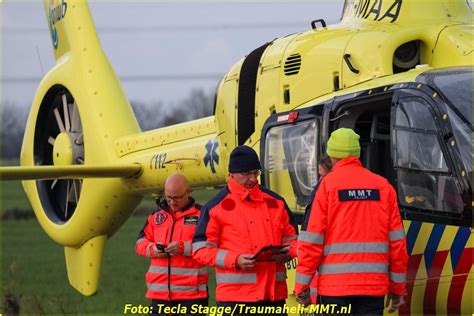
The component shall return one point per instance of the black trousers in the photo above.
(158, 306)
(260, 306)
(357, 304)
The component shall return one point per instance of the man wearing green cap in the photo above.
(354, 237)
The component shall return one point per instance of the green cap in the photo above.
(343, 143)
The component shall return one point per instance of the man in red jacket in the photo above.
(324, 167)
(354, 237)
(174, 279)
(241, 219)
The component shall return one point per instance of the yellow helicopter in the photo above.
(398, 72)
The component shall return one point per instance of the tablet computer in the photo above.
(266, 253)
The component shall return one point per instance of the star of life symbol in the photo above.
(211, 156)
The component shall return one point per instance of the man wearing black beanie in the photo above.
(239, 221)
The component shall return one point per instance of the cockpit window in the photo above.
(415, 114)
(455, 85)
(457, 88)
(290, 161)
(464, 137)
(424, 179)
(416, 137)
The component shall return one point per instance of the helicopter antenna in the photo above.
(39, 59)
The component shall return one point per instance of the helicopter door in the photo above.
(425, 181)
(289, 162)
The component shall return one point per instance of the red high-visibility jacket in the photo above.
(354, 237)
(177, 277)
(313, 291)
(240, 221)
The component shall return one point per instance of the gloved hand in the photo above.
(304, 298)
(395, 301)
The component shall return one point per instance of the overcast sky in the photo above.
(159, 50)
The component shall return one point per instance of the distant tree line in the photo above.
(13, 127)
(149, 115)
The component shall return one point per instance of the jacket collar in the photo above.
(242, 193)
(349, 161)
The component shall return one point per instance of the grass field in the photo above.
(13, 196)
(34, 271)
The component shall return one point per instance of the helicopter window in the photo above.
(290, 161)
(423, 176)
(457, 88)
(429, 192)
(419, 151)
(414, 113)
(416, 137)
(464, 136)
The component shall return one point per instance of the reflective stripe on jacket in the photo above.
(239, 221)
(178, 277)
(354, 237)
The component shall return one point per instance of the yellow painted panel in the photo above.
(422, 239)
(442, 295)
(457, 43)
(186, 157)
(447, 238)
(267, 95)
(83, 264)
(321, 59)
(226, 114)
(406, 225)
(418, 297)
(467, 303)
(166, 135)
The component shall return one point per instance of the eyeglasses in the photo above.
(255, 173)
(175, 198)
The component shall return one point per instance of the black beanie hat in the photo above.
(243, 159)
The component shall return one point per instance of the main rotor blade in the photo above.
(69, 172)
